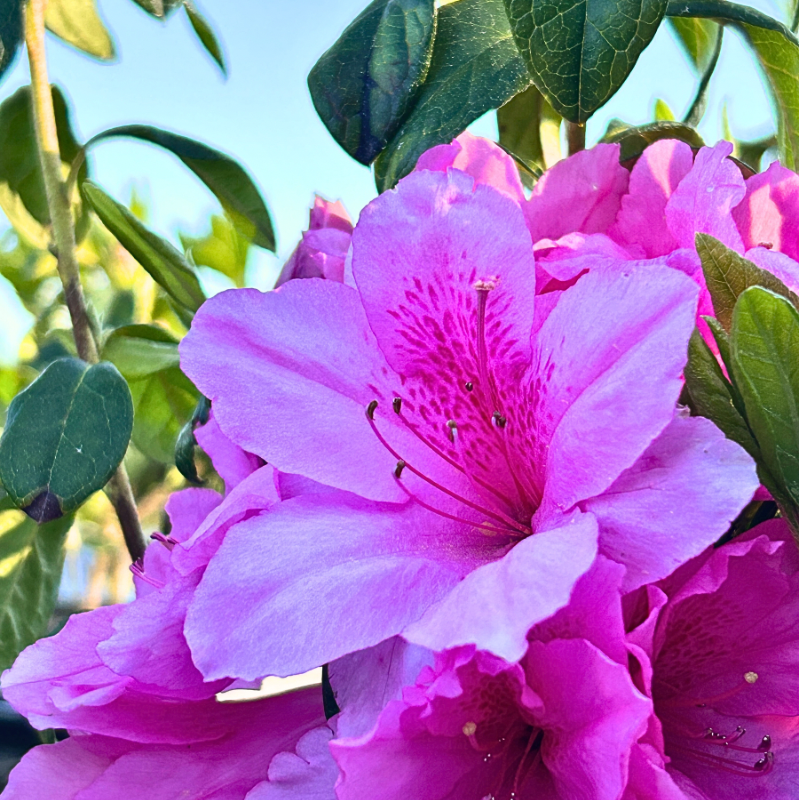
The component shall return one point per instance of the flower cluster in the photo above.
(458, 476)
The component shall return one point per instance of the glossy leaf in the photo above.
(365, 84)
(31, 559)
(580, 53)
(764, 355)
(712, 396)
(728, 274)
(186, 442)
(64, 437)
(698, 38)
(223, 249)
(229, 182)
(11, 33)
(78, 23)
(205, 34)
(475, 67)
(634, 140)
(163, 397)
(19, 160)
(164, 263)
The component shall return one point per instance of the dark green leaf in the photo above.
(634, 140)
(11, 33)
(519, 125)
(163, 397)
(186, 443)
(205, 33)
(725, 12)
(475, 67)
(580, 53)
(77, 23)
(698, 37)
(728, 274)
(764, 355)
(31, 558)
(64, 437)
(164, 263)
(223, 249)
(712, 396)
(233, 187)
(19, 160)
(751, 152)
(364, 86)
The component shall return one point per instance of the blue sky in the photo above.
(262, 114)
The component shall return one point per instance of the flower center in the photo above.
(725, 751)
(501, 513)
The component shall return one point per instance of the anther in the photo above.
(764, 762)
(452, 430)
(766, 245)
(469, 386)
(766, 742)
(371, 409)
(397, 404)
(498, 420)
(398, 470)
(167, 541)
(751, 677)
(469, 729)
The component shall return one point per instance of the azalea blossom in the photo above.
(469, 459)
(716, 648)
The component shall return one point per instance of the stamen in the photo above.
(499, 516)
(453, 430)
(398, 470)
(749, 679)
(498, 420)
(397, 404)
(137, 568)
(759, 769)
(167, 541)
(469, 386)
(484, 527)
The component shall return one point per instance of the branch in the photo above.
(58, 205)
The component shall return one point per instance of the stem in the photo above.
(576, 137)
(64, 239)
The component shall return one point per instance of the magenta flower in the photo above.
(716, 644)
(322, 251)
(561, 723)
(464, 504)
(253, 755)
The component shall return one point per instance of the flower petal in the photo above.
(676, 500)
(495, 606)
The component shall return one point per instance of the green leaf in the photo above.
(11, 33)
(580, 53)
(205, 33)
(64, 437)
(31, 558)
(778, 59)
(519, 125)
(163, 397)
(186, 442)
(662, 111)
(19, 161)
(728, 274)
(634, 140)
(77, 23)
(229, 182)
(764, 355)
(712, 396)
(223, 249)
(698, 37)
(475, 67)
(164, 263)
(364, 86)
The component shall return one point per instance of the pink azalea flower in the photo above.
(559, 724)
(716, 644)
(495, 456)
(322, 251)
(246, 759)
